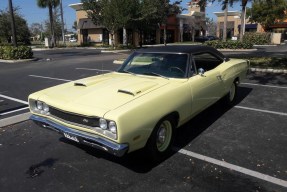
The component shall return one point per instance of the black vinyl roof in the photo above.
(190, 49)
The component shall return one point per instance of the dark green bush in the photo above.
(257, 38)
(13, 53)
(229, 44)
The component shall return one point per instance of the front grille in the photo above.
(74, 118)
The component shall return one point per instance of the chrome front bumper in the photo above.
(83, 137)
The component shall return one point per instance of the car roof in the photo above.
(190, 49)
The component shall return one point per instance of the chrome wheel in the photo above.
(164, 134)
(160, 141)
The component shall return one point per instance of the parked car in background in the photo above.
(205, 38)
(155, 91)
(72, 40)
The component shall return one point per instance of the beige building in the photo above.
(234, 24)
(179, 28)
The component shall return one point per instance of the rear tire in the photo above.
(160, 142)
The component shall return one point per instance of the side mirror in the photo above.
(201, 71)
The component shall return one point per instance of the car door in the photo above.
(206, 84)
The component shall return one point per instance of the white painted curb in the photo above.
(15, 119)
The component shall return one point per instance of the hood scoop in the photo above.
(137, 88)
(127, 92)
(80, 84)
(89, 81)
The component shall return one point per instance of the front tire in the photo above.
(160, 142)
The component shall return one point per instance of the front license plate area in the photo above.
(71, 137)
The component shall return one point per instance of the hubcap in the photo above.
(164, 136)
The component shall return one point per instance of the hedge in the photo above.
(14, 53)
(257, 38)
(229, 44)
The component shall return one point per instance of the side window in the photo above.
(206, 61)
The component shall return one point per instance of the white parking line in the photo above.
(43, 77)
(271, 86)
(9, 112)
(89, 69)
(261, 110)
(235, 168)
(14, 99)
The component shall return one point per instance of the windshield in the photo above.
(156, 64)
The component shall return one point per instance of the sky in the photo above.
(33, 14)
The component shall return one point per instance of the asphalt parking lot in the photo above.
(238, 149)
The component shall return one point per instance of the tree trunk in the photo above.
(243, 15)
(62, 23)
(140, 39)
(202, 10)
(164, 34)
(52, 26)
(125, 43)
(14, 36)
(225, 21)
(112, 39)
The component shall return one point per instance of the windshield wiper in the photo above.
(155, 74)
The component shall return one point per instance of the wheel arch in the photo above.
(173, 115)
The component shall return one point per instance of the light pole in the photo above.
(14, 38)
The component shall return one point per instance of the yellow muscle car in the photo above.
(140, 105)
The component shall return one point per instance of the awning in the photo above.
(249, 26)
(279, 25)
(87, 23)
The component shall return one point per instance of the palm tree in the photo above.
(243, 13)
(50, 4)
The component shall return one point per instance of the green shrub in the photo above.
(257, 38)
(229, 44)
(13, 53)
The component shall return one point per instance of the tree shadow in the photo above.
(137, 161)
(269, 78)
(36, 170)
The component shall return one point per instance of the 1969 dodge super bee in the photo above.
(140, 105)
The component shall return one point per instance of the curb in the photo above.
(268, 70)
(51, 49)
(115, 51)
(118, 62)
(15, 119)
(17, 61)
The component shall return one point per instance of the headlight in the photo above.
(108, 128)
(113, 127)
(39, 105)
(103, 123)
(45, 107)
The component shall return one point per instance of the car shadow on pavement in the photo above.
(137, 161)
(193, 128)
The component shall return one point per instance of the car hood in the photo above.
(99, 94)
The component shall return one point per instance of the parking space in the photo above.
(222, 149)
